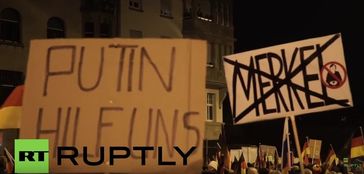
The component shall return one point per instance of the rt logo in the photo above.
(31, 156)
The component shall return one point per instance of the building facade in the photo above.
(151, 19)
(211, 20)
(23, 21)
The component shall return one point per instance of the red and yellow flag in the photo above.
(357, 147)
(331, 159)
(11, 110)
(305, 153)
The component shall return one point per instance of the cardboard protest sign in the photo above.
(289, 79)
(315, 148)
(250, 153)
(235, 154)
(142, 101)
(267, 149)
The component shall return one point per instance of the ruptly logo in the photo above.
(31, 156)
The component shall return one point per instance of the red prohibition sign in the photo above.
(333, 78)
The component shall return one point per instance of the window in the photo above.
(204, 11)
(211, 106)
(166, 8)
(10, 25)
(10, 78)
(187, 9)
(107, 6)
(89, 29)
(210, 55)
(136, 5)
(55, 28)
(105, 30)
(99, 18)
(136, 34)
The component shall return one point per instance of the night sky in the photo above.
(261, 23)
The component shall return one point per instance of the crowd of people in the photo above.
(340, 168)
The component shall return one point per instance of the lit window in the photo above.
(55, 28)
(10, 25)
(136, 5)
(210, 106)
(108, 6)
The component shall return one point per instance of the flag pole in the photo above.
(308, 147)
(297, 142)
(361, 132)
(332, 149)
(284, 134)
(207, 160)
(305, 155)
(247, 151)
(328, 168)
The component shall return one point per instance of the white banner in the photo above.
(289, 79)
(315, 148)
(250, 153)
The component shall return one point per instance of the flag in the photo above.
(264, 160)
(223, 157)
(10, 111)
(357, 145)
(276, 160)
(286, 154)
(222, 141)
(305, 153)
(239, 165)
(331, 159)
(235, 165)
(258, 160)
(243, 165)
(227, 163)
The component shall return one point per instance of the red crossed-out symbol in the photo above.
(333, 75)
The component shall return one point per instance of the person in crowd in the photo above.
(3, 165)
